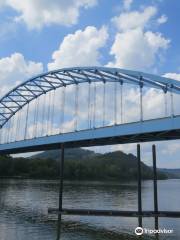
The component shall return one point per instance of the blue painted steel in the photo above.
(24, 93)
(130, 132)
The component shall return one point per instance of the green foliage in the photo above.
(80, 164)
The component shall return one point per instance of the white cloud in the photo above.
(162, 19)
(134, 19)
(134, 46)
(175, 76)
(136, 49)
(127, 4)
(156, 40)
(80, 48)
(2, 3)
(38, 13)
(15, 69)
(171, 148)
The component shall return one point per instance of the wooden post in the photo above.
(139, 184)
(155, 185)
(60, 192)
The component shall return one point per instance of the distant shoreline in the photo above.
(82, 180)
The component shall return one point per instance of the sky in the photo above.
(41, 35)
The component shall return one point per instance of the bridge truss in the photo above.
(41, 106)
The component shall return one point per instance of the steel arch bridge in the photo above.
(29, 112)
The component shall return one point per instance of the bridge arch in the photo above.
(34, 87)
(22, 95)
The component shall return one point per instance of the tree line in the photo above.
(110, 166)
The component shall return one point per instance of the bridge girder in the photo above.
(150, 130)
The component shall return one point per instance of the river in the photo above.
(24, 205)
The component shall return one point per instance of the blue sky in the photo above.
(38, 44)
(37, 35)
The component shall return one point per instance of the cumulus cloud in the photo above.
(15, 69)
(175, 76)
(80, 48)
(134, 46)
(134, 19)
(38, 13)
(136, 49)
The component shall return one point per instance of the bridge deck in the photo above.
(149, 130)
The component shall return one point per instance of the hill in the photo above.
(171, 173)
(81, 164)
(74, 153)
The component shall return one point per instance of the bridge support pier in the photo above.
(60, 192)
(139, 185)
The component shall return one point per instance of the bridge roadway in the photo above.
(148, 130)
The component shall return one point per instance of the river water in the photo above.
(24, 205)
